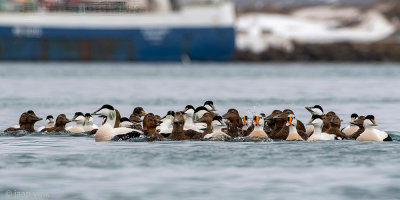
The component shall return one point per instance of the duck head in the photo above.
(291, 120)
(108, 113)
(139, 111)
(258, 121)
(88, 118)
(353, 117)
(79, 118)
(217, 122)
(124, 122)
(316, 121)
(315, 110)
(62, 120)
(209, 105)
(369, 121)
(49, 119)
(199, 112)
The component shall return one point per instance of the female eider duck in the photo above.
(258, 131)
(108, 130)
(49, 123)
(177, 131)
(89, 125)
(351, 128)
(61, 121)
(317, 135)
(79, 120)
(136, 116)
(293, 134)
(234, 123)
(217, 134)
(27, 122)
(151, 124)
(372, 134)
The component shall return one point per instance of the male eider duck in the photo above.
(199, 112)
(217, 134)
(79, 120)
(317, 135)
(89, 125)
(258, 131)
(210, 106)
(110, 130)
(293, 134)
(165, 128)
(49, 123)
(351, 128)
(189, 124)
(372, 134)
(125, 122)
(61, 121)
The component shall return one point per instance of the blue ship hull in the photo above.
(136, 44)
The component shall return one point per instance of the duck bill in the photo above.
(142, 113)
(309, 122)
(288, 123)
(308, 108)
(374, 123)
(213, 108)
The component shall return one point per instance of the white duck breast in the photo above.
(166, 126)
(78, 128)
(318, 135)
(49, 123)
(217, 134)
(258, 131)
(371, 133)
(351, 128)
(292, 123)
(89, 125)
(107, 131)
(190, 125)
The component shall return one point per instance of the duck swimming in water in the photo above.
(217, 133)
(318, 135)
(293, 133)
(335, 124)
(61, 121)
(151, 124)
(165, 128)
(177, 132)
(258, 131)
(199, 112)
(49, 123)
(27, 122)
(189, 124)
(79, 120)
(280, 125)
(234, 123)
(372, 134)
(136, 116)
(351, 128)
(317, 110)
(110, 130)
(89, 125)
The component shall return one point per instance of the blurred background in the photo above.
(200, 30)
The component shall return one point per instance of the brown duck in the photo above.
(61, 121)
(27, 122)
(235, 123)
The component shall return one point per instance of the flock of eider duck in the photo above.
(204, 123)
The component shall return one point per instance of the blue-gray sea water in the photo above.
(66, 166)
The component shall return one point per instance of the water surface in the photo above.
(75, 167)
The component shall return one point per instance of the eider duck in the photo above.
(136, 116)
(189, 124)
(79, 120)
(234, 123)
(177, 132)
(151, 125)
(210, 106)
(335, 124)
(61, 121)
(217, 134)
(125, 122)
(199, 112)
(207, 119)
(317, 135)
(258, 131)
(110, 130)
(27, 122)
(372, 134)
(351, 128)
(49, 123)
(280, 125)
(293, 133)
(89, 124)
(165, 128)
